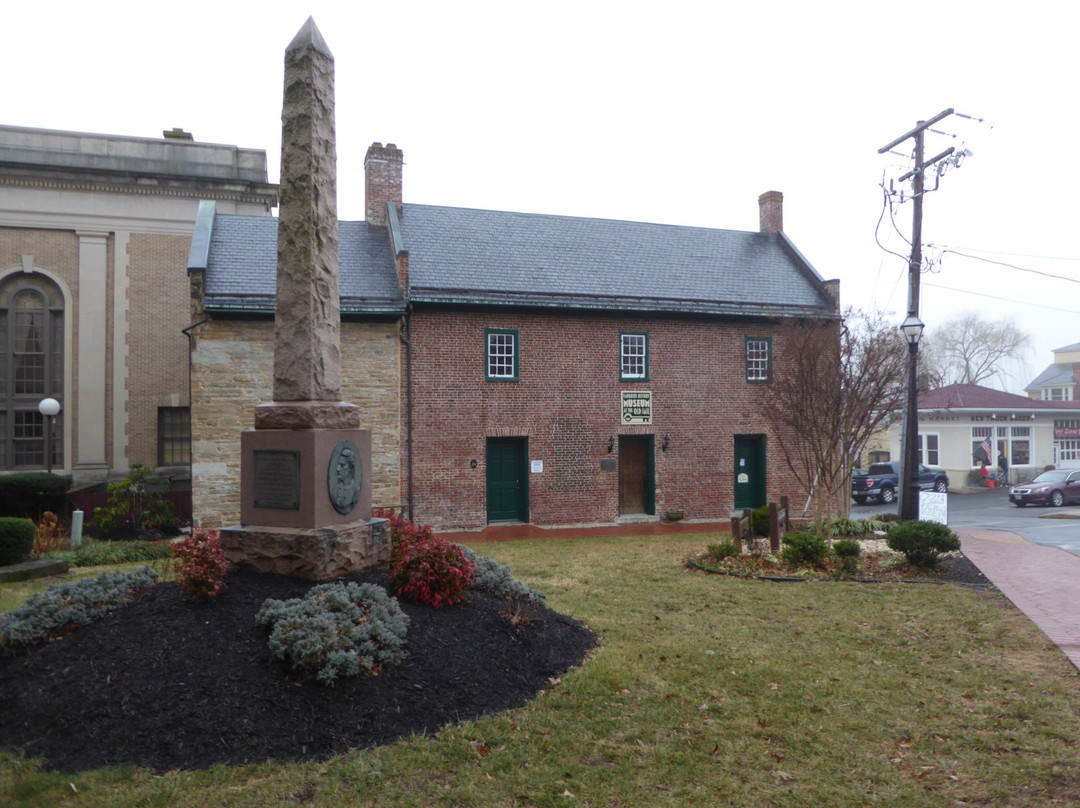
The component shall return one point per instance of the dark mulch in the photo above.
(167, 684)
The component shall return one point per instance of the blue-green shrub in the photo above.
(497, 579)
(69, 605)
(922, 542)
(801, 547)
(16, 539)
(338, 629)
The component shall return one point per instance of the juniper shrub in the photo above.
(337, 629)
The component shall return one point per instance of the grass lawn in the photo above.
(706, 690)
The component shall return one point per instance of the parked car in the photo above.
(882, 480)
(1049, 488)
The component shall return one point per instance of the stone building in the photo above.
(95, 231)
(519, 367)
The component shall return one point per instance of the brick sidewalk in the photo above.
(1042, 582)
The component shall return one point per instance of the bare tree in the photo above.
(837, 384)
(971, 350)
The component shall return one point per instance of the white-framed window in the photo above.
(1066, 451)
(634, 357)
(758, 359)
(502, 354)
(929, 449)
(982, 445)
(1019, 450)
(1057, 393)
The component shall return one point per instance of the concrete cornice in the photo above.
(265, 195)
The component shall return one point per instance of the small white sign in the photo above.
(743, 478)
(934, 507)
(536, 466)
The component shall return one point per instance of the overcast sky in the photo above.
(672, 112)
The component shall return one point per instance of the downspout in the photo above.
(405, 335)
(191, 406)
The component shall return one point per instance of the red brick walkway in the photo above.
(1042, 582)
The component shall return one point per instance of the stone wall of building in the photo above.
(231, 373)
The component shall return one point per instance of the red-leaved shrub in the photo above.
(432, 571)
(200, 565)
(401, 529)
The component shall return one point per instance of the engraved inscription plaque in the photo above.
(277, 479)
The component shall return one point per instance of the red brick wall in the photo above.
(567, 403)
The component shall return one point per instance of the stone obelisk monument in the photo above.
(306, 466)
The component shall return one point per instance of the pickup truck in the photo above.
(882, 480)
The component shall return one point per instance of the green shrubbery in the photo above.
(921, 542)
(848, 551)
(66, 606)
(759, 518)
(135, 508)
(802, 547)
(336, 630)
(725, 549)
(106, 553)
(16, 539)
(31, 493)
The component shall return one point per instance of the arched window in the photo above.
(31, 368)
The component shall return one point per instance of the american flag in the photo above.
(985, 446)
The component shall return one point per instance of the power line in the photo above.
(1010, 266)
(1003, 252)
(1006, 299)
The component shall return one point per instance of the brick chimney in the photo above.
(382, 181)
(771, 207)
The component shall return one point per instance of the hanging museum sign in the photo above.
(636, 407)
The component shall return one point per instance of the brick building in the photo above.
(94, 233)
(521, 367)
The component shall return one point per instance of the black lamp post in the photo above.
(912, 329)
(49, 407)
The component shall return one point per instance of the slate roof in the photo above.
(977, 397)
(477, 257)
(241, 267)
(1056, 374)
(495, 257)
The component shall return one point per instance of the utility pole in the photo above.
(913, 326)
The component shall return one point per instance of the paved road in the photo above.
(990, 509)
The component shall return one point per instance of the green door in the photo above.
(507, 480)
(749, 471)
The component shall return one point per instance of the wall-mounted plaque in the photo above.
(276, 479)
(344, 477)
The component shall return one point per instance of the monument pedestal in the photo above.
(316, 554)
(305, 506)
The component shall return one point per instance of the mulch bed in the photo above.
(166, 684)
(954, 568)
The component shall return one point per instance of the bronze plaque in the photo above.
(276, 479)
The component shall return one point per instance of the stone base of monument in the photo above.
(305, 504)
(316, 554)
